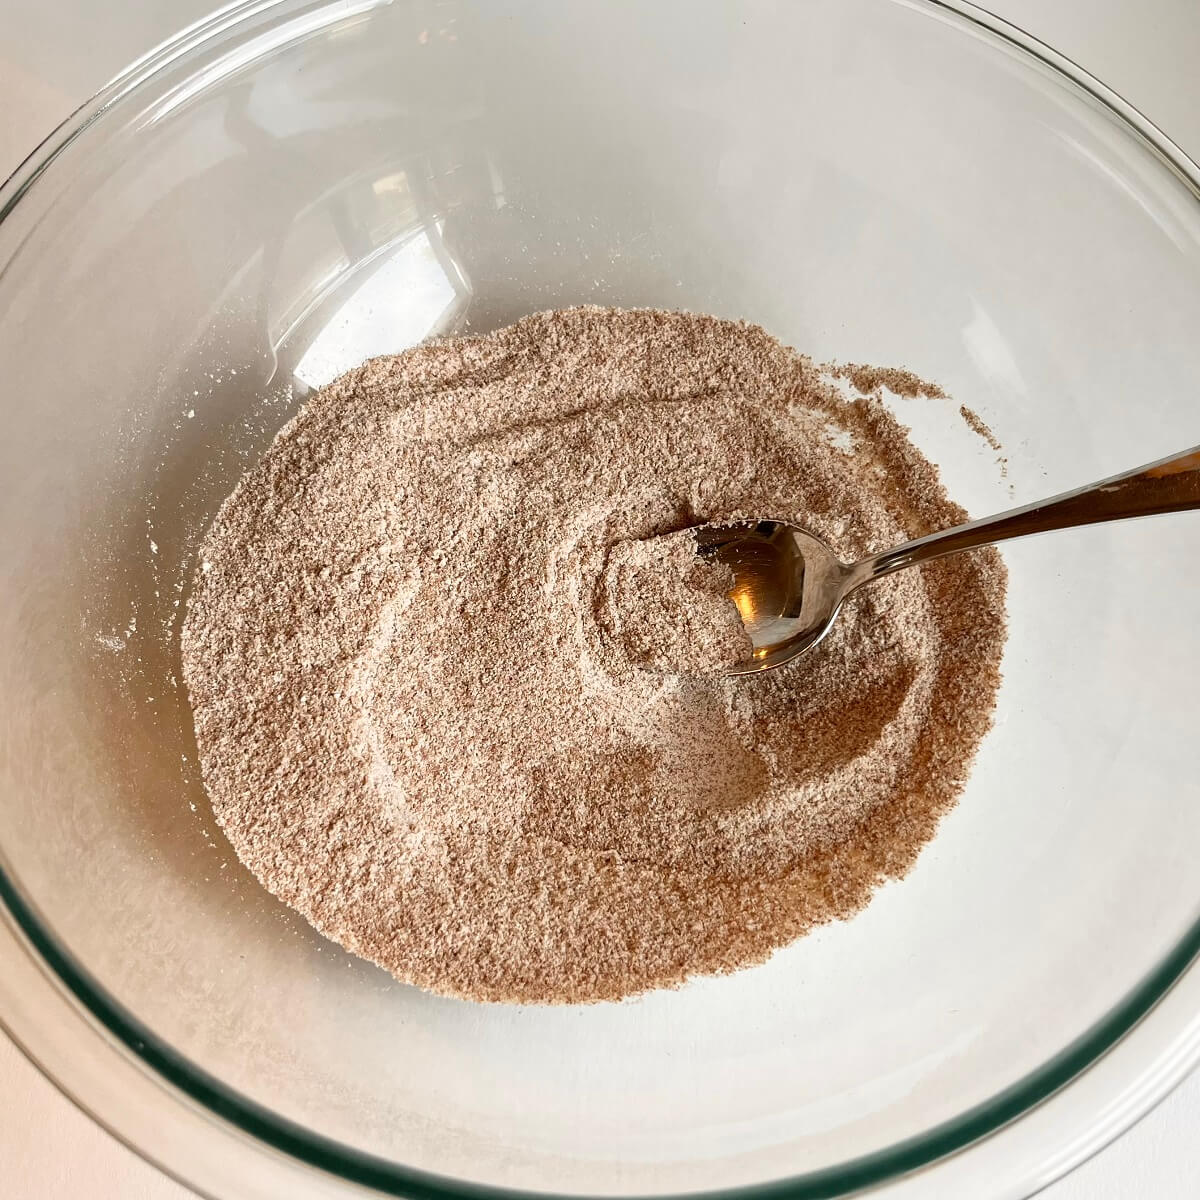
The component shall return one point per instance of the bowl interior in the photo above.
(871, 180)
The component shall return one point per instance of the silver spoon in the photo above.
(789, 585)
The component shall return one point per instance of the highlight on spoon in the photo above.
(773, 564)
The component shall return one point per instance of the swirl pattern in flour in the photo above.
(428, 721)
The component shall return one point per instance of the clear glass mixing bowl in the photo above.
(290, 187)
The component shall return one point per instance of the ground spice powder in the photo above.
(448, 707)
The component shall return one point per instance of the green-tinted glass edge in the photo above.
(826, 1184)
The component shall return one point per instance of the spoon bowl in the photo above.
(788, 584)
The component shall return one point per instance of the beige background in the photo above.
(52, 56)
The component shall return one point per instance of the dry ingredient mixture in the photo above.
(455, 669)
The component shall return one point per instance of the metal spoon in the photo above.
(789, 585)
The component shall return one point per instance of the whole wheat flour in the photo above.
(457, 697)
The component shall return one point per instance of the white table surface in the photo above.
(53, 55)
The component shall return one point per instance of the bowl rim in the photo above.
(31, 947)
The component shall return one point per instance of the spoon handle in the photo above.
(1169, 485)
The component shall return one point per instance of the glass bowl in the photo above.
(289, 187)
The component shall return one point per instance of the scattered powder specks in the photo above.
(437, 711)
(867, 380)
(976, 422)
(977, 425)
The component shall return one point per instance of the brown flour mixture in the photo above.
(444, 671)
